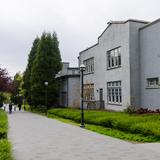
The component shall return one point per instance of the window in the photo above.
(114, 94)
(89, 63)
(114, 58)
(73, 71)
(153, 83)
(89, 92)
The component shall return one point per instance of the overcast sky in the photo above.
(78, 23)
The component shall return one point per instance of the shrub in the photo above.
(147, 125)
(3, 124)
(41, 108)
(130, 110)
(146, 110)
(5, 147)
(5, 150)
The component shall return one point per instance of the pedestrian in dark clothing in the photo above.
(19, 106)
(10, 108)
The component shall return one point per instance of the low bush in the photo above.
(5, 150)
(145, 124)
(133, 110)
(5, 146)
(146, 110)
(130, 110)
(41, 108)
(3, 124)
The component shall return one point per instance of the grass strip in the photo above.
(115, 124)
(3, 124)
(5, 145)
(108, 131)
(138, 128)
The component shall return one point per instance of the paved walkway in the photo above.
(36, 137)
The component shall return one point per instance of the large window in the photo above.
(89, 92)
(114, 92)
(114, 58)
(89, 63)
(153, 83)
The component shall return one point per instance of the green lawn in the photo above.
(5, 146)
(139, 128)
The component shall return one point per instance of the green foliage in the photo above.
(27, 73)
(46, 65)
(121, 134)
(18, 81)
(2, 99)
(144, 125)
(7, 97)
(109, 131)
(5, 147)
(17, 93)
(130, 110)
(5, 150)
(40, 109)
(3, 124)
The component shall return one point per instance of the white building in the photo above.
(123, 67)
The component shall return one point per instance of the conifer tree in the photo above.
(27, 73)
(45, 67)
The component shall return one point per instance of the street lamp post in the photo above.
(82, 69)
(46, 103)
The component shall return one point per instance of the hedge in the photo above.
(147, 125)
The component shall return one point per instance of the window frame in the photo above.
(114, 93)
(89, 87)
(154, 86)
(113, 58)
(89, 63)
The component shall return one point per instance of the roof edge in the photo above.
(88, 48)
(114, 22)
(123, 22)
(132, 20)
(156, 21)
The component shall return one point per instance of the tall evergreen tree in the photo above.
(27, 73)
(46, 65)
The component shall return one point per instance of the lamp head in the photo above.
(82, 67)
(46, 83)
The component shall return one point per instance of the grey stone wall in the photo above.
(126, 36)
(116, 35)
(150, 64)
(134, 51)
(73, 92)
(69, 93)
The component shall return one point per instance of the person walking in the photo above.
(10, 108)
(19, 106)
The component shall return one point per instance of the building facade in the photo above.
(69, 93)
(123, 66)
